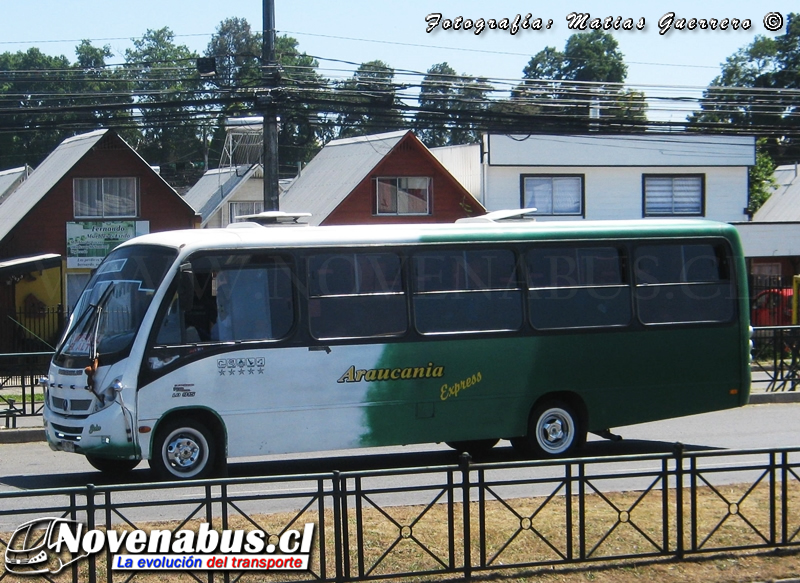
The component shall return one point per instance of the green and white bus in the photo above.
(191, 347)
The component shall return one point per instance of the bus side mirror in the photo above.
(186, 287)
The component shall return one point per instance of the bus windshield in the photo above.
(111, 308)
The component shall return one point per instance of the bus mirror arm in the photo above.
(186, 287)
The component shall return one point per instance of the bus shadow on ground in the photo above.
(315, 464)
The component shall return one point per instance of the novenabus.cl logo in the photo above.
(35, 547)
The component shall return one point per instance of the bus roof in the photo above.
(257, 236)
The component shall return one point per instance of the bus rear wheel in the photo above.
(183, 449)
(553, 430)
(112, 466)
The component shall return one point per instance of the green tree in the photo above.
(44, 99)
(237, 52)
(748, 92)
(450, 107)
(368, 101)
(585, 80)
(436, 102)
(168, 86)
(761, 178)
(108, 89)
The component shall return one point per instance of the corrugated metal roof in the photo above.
(784, 204)
(334, 173)
(44, 178)
(10, 179)
(20, 265)
(215, 187)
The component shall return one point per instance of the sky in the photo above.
(343, 33)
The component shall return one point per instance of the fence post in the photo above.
(464, 462)
(339, 526)
(679, 544)
(90, 525)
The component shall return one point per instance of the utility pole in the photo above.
(270, 75)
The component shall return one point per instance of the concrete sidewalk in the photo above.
(30, 428)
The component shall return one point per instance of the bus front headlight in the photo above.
(109, 395)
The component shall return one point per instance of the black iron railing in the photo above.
(462, 519)
(31, 330)
(776, 357)
(20, 391)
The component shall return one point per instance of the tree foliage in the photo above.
(369, 101)
(449, 106)
(761, 178)
(748, 92)
(582, 81)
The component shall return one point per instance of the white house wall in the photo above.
(616, 192)
(463, 162)
(770, 239)
(620, 150)
(251, 190)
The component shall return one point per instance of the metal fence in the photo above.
(30, 330)
(776, 357)
(21, 394)
(462, 519)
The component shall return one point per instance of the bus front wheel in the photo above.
(553, 430)
(182, 450)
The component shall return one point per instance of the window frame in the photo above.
(727, 279)
(376, 180)
(622, 250)
(232, 218)
(582, 177)
(315, 295)
(102, 214)
(673, 176)
(418, 294)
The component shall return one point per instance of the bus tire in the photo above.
(111, 466)
(553, 430)
(473, 446)
(183, 449)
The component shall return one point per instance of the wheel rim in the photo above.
(185, 452)
(555, 431)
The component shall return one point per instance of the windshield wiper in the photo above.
(90, 318)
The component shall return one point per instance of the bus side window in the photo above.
(469, 290)
(356, 295)
(682, 283)
(577, 287)
(253, 302)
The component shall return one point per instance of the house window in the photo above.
(553, 195)
(666, 196)
(239, 209)
(404, 195)
(105, 197)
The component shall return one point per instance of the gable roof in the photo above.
(57, 164)
(335, 172)
(44, 178)
(215, 187)
(783, 205)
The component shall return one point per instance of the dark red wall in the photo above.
(408, 158)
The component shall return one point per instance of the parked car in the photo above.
(772, 307)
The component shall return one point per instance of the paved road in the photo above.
(33, 465)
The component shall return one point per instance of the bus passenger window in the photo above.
(253, 303)
(237, 298)
(577, 287)
(469, 290)
(356, 295)
(683, 283)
